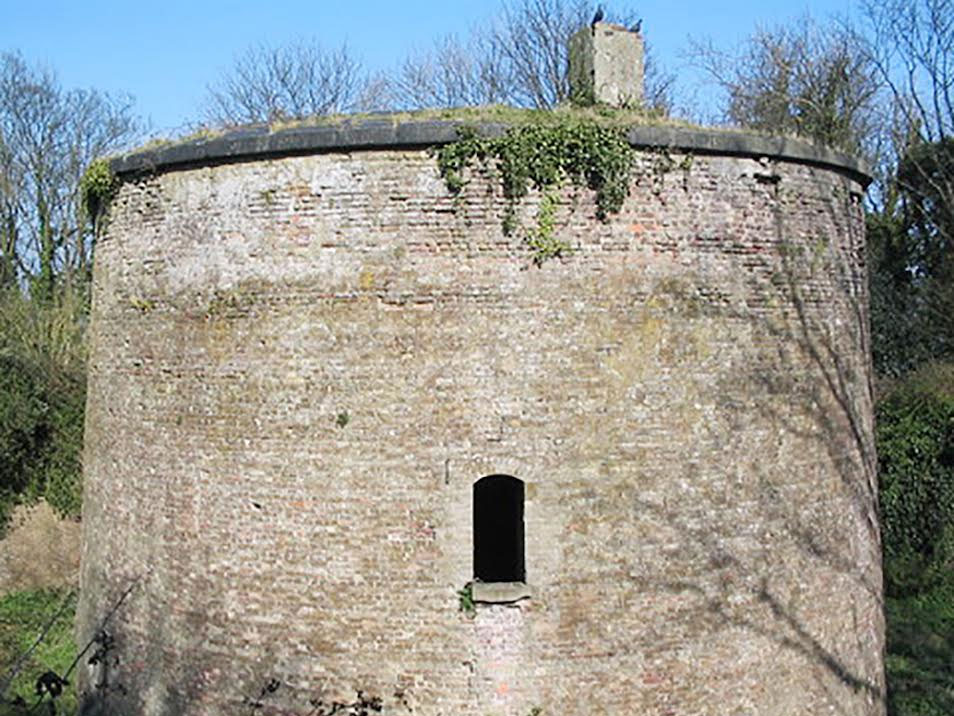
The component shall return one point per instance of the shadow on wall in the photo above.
(814, 379)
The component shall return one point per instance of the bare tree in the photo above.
(533, 36)
(292, 81)
(800, 78)
(453, 74)
(48, 137)
(519, 57)
(911, 44)
(658, 83)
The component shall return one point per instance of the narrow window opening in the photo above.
(498, 529)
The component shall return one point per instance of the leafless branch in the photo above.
(267, 83)
(802, 78)
(519, 58)
(48, 136)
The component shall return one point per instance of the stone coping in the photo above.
(260, 141)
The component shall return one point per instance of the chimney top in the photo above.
(606, 65)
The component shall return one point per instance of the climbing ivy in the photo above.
(453, 158)
(542, 240)
(544, 157)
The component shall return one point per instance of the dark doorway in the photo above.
(498, 529)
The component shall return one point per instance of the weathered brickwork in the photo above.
(300, 365)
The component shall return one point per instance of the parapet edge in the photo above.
(260, 141)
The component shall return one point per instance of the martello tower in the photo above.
(326, 395)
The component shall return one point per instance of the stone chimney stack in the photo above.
(606, 65)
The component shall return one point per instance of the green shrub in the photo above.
(24, 430)
(920, 635)
(41, 435)
(42, 400)
(915, 439)
(23, 616)
(62, 485)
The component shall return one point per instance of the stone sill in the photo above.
(499, 592)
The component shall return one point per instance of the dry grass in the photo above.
(40, 550)
(600, 114)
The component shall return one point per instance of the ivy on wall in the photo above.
(544, 157)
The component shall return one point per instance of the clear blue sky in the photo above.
(165, 53)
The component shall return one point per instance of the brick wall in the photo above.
(685, 396)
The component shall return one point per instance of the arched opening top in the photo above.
(498, 529)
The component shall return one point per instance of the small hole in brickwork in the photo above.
(498, 529)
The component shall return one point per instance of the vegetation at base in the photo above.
(920, 635)
(915, 440)
(915, 433)
(42, 401)
(23, 617)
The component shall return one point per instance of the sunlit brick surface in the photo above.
(301, 365)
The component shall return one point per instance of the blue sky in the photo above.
(166, 53)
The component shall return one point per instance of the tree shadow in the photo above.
(810, 319)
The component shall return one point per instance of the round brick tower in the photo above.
(343, 433)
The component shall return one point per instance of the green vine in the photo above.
(544, 157)
(465, 599)
(542, 240)
(98, 186)
(453, 158)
